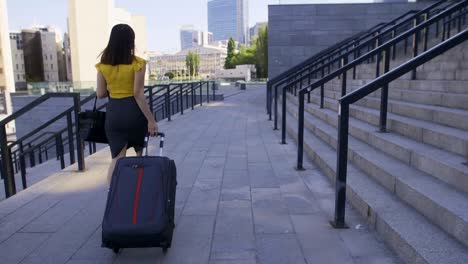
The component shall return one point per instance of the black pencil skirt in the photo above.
(125, 125)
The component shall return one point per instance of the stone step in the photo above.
(407, 232)
(458, 101)
(443, 165)
(412, 186)
(424, 75)
(452, 87)
(452, 117)
(447, 138)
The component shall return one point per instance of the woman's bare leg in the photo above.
(122, 154)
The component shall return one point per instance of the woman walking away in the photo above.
(120, 75)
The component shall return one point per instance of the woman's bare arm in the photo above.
(139, 94)
(101, 90)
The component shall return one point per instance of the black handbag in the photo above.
(92, 125)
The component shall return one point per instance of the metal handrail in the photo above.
(356, 51)
(347, 100)
(327, 51)
(6, 149)
(384, 48)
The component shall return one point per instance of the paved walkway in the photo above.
(239, 201)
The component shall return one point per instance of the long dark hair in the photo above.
(121, 46)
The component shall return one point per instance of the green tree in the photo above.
(192, 61)
(228, 64)
(261, 54)
(245, 56)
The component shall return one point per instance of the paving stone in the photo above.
(262, 175)
(279, 249)
(236, 162)
(54, 218)
(233, 246)
(20, 245)
(63, 244)
(140, 255)
(236, 178)
(203, 199)
(86, 261)
(234, 261)
(234, 217)
(272, 223)
(237, 193)
(212, 167)
(92, 249)
(268, 200)
(24, 215)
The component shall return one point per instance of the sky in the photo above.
(164, 18)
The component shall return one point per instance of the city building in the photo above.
(40, 55)
(67, 54)
(254, 30)
(241, 72)
(61, 61)
(89, 25)
(211, 59)
(229, 18)
(7, 81)
(17, 55)
(189, 37)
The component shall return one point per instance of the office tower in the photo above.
(229, 18)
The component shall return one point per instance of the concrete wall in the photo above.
(297, 32)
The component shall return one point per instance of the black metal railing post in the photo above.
(177, 102)
(426, 32)
(341, 171)
(32, 156)
(213, 88)
(384, 95)
(79, 142)
(201, 94)
(23, 165)
(60, 152)
(71, 146)
(300, 132)
(283, 116)
(344, 61)
(322, 90)
(207, 92)
(151, 99)
(168, 102)
(7, 164)
(379, 58)
(193, 95)
(181, 99)
(415, 46)
(276, 107)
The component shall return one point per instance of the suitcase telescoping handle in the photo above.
(161, 143)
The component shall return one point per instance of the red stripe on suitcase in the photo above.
(137, 196)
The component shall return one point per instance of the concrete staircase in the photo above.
(412, 182)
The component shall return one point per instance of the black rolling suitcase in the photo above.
(140, 203)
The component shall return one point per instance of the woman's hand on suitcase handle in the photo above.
(152, 128)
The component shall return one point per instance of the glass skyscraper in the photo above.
(229, 18)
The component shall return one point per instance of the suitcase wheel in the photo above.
(165, 250)
(116, 250)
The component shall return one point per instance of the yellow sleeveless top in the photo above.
(120, 78)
